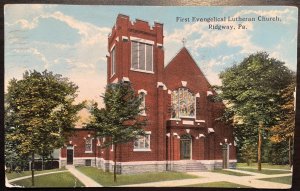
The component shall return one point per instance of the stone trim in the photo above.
(132, 38)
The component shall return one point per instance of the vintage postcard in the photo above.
(149, 96)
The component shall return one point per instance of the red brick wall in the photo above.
(147, 81)
(78, 141)
(181, 68)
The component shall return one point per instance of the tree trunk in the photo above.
(259, 147)
(51, 157)
(43, 162)
(293, 147)
(32, 169)
(290, 152)
(115, 166)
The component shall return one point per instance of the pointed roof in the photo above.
(183, 66)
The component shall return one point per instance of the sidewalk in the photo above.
(87, 181)
(266, 168)
(244, 172)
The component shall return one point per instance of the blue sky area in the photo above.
(72, 39)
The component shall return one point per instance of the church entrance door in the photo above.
(70, 153)
(185, 147)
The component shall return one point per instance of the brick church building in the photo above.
(182, 131)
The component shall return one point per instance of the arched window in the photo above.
(142, 94)
(183, 103)
(113, 61)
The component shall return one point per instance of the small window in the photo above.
(142, 143)
(113, 61)
(88, 162)
(88, 145)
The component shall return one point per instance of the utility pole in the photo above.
(260, 126)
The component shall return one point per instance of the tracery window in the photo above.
(183, 103)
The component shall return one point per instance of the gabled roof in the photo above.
(189, 62)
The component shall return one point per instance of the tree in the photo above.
(248, 152)
(119, 120)
(284, 130)
(39, 113)
(251, 91)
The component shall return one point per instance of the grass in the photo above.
(284, 179)
(64, 179)
(265, 171)
(230, 172)
(13, 175)
(106, 178)
(221, 184)
(264, 165)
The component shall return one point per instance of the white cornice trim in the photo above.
(125, 79)
(184, 83)
(210, 130)
(132, 38)
(159, 45)
(142, 91)
(160, 84)
(124, 38)
(209, 93)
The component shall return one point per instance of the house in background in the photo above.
(182, 131)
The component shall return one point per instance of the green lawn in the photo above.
(265, 171)
(284, 179)
(106, 178)
(221, 184)
(64, 179)
(13, 175)
(264, 165)
(230, 172)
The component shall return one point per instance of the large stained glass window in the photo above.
(183, 103)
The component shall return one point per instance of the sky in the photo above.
(72, 39)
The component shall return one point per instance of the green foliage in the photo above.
(248, 152)
(285, 127)
(120, 119)
(251, 91)
(39, 113)
(278, 153)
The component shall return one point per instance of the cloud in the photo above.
(81, 62)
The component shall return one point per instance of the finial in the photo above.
(183, 41)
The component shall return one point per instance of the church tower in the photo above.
(136, 55)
